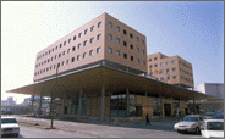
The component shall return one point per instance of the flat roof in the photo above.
(112, 79)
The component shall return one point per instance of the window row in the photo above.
(186, 79)
(162, 64)
(162, 71)
(62, 54)
(185, 65)
(69, 41)
(168, 78)
(125, 56)
(188, 73)
(63, 63)
(125, 32)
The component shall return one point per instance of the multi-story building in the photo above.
(174, 69)
(213, 89)
(103, 38)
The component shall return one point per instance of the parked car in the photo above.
(218, 115)
(190, 123)
(213, 128)
(9, 126)
(208, 115)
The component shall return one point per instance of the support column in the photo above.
(102, 103)
(128, 102)
(32, 107)
(52, 110)
(80, 103)
(64, 101)
(40, 105)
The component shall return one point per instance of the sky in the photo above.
(193, 30)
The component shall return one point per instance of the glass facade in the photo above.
(118, 105)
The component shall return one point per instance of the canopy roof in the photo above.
(95, 78)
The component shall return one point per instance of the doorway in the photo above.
(167, 109)
(139, 111)
(65, 110)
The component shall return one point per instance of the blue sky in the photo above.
(192, 30)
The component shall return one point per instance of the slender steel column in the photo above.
(80, 103)
(103, 103)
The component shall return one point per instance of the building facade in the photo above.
(214, 89)
(103, 38)
(173, 69)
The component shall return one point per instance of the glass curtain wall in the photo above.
(118, 105)
(74, 105)
(157, 107)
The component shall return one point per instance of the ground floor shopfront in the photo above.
(101, 90)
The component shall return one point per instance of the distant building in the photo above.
(3, 102)
(174, 69)
(8, 102)
(213, 89)
(27, 101)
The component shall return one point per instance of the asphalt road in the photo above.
(102, 132)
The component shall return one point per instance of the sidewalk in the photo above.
(78, 125)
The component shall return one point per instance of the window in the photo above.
(173, 69)
(131, 46)
(53, 50)
(143, 52)
(156, 65)
(124, 56)
(67, 62)
(161, 64)
(137, 49)
(98, 50)
(117, 40)
(78, 46)
(137, 39)
(90, 52)
(110, 37)
(167, 63)
(117, 53)
(124, 43)
(124, 32)
(63, 53)
(55, 47)
(174, 77)
(63, 63)
(110, 50)
(143, 63)
(49, 52)
(91, 40)
(84, 55)
(35, 74)
(51, 59)
(91, 29)
(167, 70)
(64, 44)
(55, 56)
(150, 60)
(118, 29)
(74, 48)
(142, 41)
(162, 78)
(155, 58)
(78, 57)
(69, 40)
(39, 64)
(161, 71)
(59, 55)
(168, 78)
(60, 46)
(99, 24)
(150, 66)
(79, 35)
(85, 31)
(58, 65)
(110, 24)
(43, 70)
(137, 60)
(131, 35)
(68, 51)
(73, 59)
(74, 37)
(173, 61)
(85, 43)
(99, 36)
(131, 58)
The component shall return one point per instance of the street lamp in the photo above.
(52, 105)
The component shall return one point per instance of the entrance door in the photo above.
(167, 109)
(139, 111)
(65, 111)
